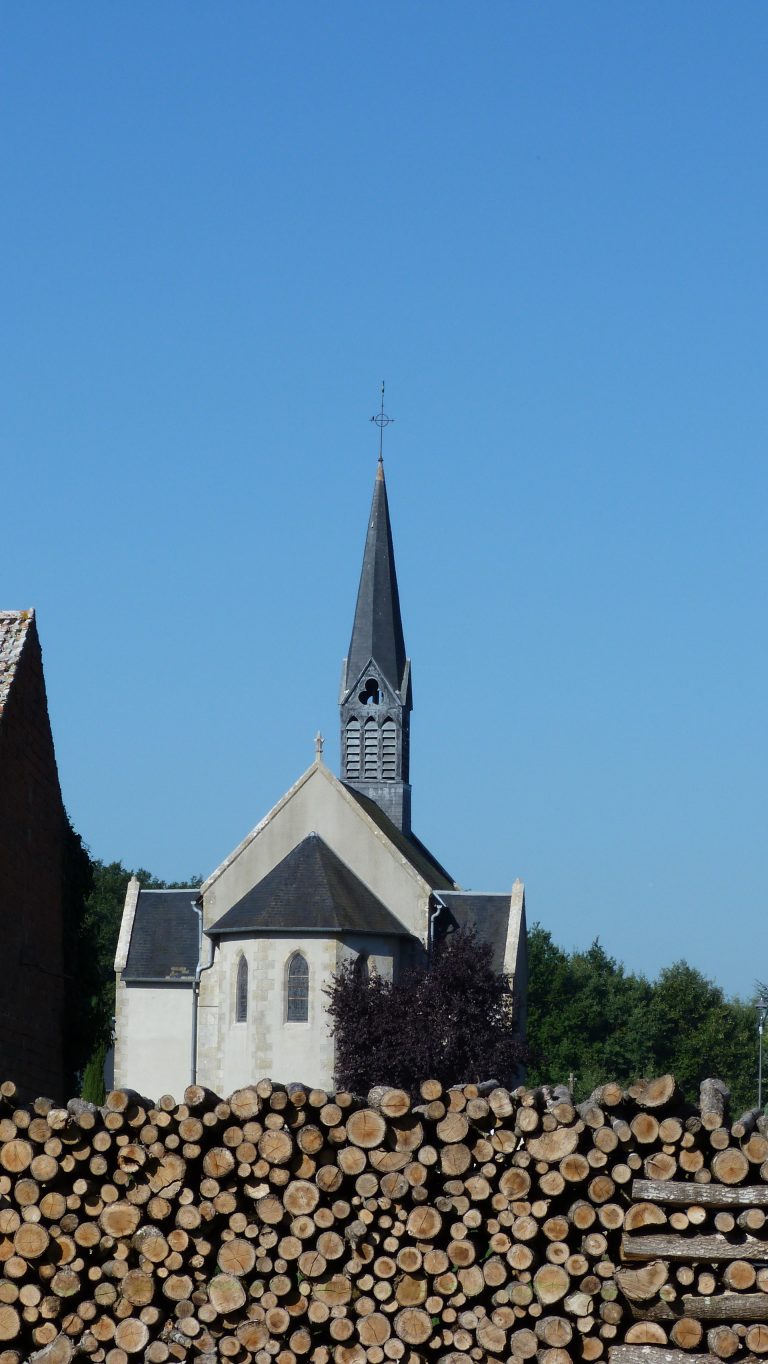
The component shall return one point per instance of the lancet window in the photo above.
(241, 991)
(297, 989)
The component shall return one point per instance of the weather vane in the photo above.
(381, 419)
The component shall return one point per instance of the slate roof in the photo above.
(14, 628)
(377, 632)
(310, 891)
(164, 940)
(411, 847)
(488, 913)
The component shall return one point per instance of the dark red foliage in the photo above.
(451, 1022)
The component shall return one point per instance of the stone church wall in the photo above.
(231, 1053)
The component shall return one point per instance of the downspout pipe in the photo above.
(197, 907)
(434, 914)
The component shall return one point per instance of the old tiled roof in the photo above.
(164, 941)
(411, 847)
(310, 891)
(489, 914)
(14, 628)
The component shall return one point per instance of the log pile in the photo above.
(292, 1225)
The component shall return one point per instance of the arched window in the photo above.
(370, 750)
(389, 750)
(241, 991)
(297, 1001)
(353, 747)
(361, 969)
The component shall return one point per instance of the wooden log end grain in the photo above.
(653, 1093)
(10, 1322)
(646, 1333)
(639, 1285)
(553, 1146)
(131, 1335)
(226, 1294)
(550, 1284)
(687, 1333)
(60, 1351)
(366, 1128)
(723, 1342)
(413, 1326)
(730, 1166)
(393, 1103)
(246, 1103)
(644, 1214)
(756, 1338)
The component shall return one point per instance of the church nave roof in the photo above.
(164, 936)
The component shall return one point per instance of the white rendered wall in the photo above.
(154, 1038)
(232, 1054)
(516, 955)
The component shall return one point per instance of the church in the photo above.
(224, 983)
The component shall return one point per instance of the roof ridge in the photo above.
(165, 890)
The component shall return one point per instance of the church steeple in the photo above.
(376, 678)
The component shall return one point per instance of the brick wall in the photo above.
(31, 848)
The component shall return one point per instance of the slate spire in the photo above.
(377, 632)
(376, 678)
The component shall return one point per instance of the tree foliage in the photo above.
(589, 1017)
(79, 966)
(451, 1021)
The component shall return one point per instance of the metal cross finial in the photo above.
(381, 419)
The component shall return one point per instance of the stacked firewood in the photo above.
(292, 1225)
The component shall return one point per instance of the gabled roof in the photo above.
(15, 626)
(410, 847)
(489, 914)
(406, 848)
(377, 632)
(164, 936)
(310, 891)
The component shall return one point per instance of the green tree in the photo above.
(584, 1015)
(697, 1032)
(590, 1018)
(80, 971)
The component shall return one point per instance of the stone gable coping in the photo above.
(14, 630)
(126, 923)
(320, 767)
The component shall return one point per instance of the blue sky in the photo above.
(545, 226)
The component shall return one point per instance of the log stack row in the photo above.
(287, 1224)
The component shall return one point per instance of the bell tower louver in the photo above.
(376, 698)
